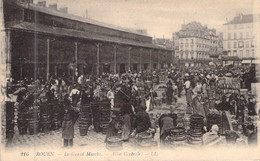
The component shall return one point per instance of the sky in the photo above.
(160, 17)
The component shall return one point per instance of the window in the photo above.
(241, 53)
(235, 45)
(229, 27)
(187, 40)
(253, 53)
(235, 26)
(181, 55)
(181, 47)
(229, 36)
(234, 52)
(247, 35)
(252, 43)
(241, 35)
(235, 35)
(247, 53)
(241, 44)
(192, 41)
(247, 44)
(229, 45)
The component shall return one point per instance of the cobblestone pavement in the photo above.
(54, 138)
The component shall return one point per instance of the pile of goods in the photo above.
(9, 120)
(114, 143)
(195, 132)
(85, 119)
(213, 119)
(101, 116)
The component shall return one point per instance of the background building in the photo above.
(194, 43)
(239, 40)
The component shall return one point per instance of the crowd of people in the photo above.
(132, 95)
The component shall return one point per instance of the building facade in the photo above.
(194, 44)
(47, 41)
(239, 39)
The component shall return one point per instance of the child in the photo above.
(68, 128)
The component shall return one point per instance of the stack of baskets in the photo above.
(213, 119)
(195, 132)
(101, 116)
(9, 120)
(177, 136)
(56, 117)
(22, 122)
(33, 121)
(45, 117)
(85, 119)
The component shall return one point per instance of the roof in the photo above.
(56, 13)
(241, 19)
(32, 27)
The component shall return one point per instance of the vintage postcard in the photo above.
(130, 80)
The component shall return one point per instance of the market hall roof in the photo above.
(53, 12)
(40, 28)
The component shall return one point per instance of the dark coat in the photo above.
(251, 109)
(142, 121)
(68, 129)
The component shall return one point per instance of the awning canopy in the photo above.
(256, 61)
(40, 28)
(246, 61)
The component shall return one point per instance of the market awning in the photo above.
(40, 28)
(256, 61)
(246, 61)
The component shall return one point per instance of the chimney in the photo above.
(53, 6)
(64, 9)
(42, 3)
(86, 14)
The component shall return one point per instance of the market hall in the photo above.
(48, 42)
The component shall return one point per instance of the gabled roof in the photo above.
(241, 19)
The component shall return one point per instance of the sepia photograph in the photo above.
(130, 80)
